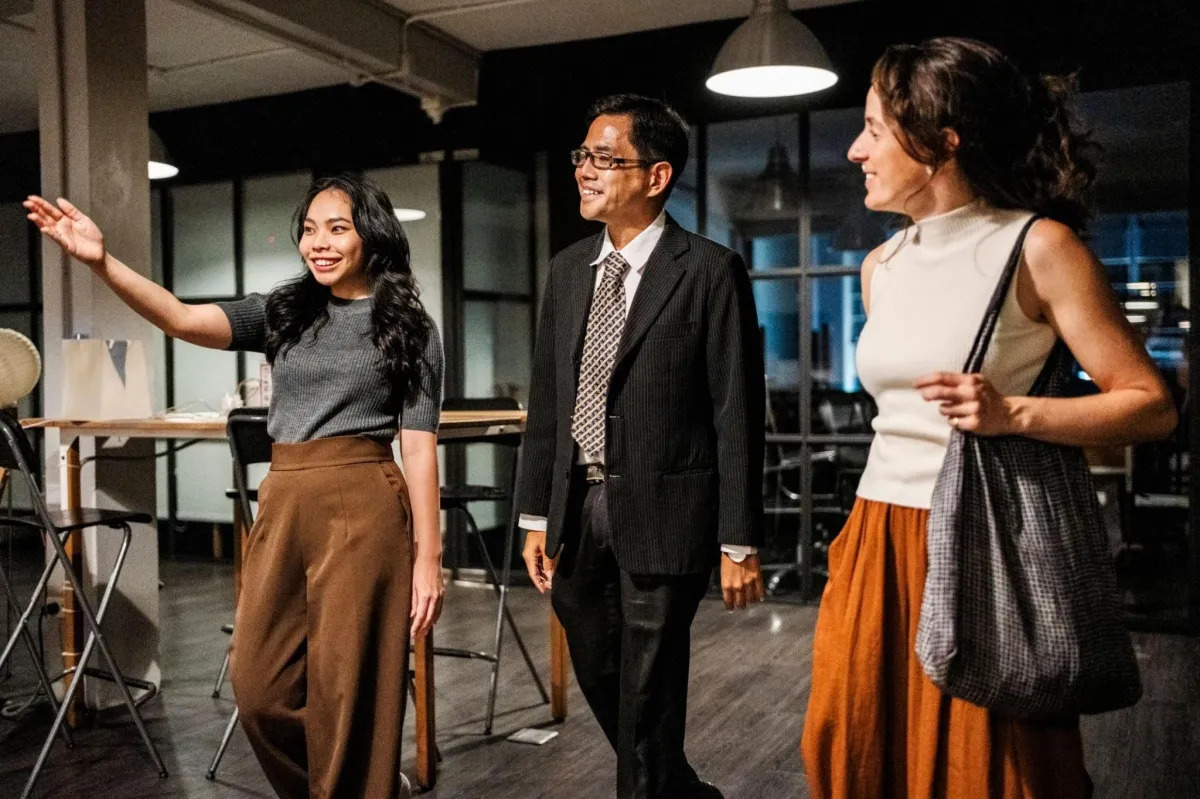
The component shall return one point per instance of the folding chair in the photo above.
(16, 454)
(23, 630)
(457, 498)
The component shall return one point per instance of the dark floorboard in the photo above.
(750, 681)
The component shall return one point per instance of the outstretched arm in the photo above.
(79, 237)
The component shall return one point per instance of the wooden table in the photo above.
(453, 424)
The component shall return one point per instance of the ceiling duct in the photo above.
(370, 41)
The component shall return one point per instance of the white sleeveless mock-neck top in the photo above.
(928, 295)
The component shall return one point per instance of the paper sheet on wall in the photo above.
(105, 379)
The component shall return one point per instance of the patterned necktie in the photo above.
(605, 323)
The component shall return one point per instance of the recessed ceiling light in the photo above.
(409, 214)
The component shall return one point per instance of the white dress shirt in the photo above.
(636, 253)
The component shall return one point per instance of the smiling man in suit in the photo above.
(642, 464)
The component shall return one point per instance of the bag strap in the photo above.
(992, 316)
(1056, 373)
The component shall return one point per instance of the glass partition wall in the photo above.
(490, 263)
(1140, 233)
(781, 193)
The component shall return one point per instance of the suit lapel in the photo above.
(662, 273)
(579, 296)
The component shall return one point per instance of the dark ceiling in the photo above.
(533, 99)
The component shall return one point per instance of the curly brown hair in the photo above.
(1020, 141)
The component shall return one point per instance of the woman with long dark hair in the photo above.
(343, 564)
(965, 146)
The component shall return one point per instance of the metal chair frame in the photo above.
(16, 454)
(457, 498)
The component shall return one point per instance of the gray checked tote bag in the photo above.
(1020, 610)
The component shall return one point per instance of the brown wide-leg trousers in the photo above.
(320, 643)
(876, 727)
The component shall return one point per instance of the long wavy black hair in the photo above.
(1020, 141)
(400, 327)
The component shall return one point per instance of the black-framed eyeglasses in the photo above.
(604, 160)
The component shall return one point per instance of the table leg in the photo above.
(559, 657)
(425, 717)
(70, 621)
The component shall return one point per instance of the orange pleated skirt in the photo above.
(876, 726)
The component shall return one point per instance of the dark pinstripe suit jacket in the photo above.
(685, 424)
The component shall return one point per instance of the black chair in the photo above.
(246, 429)
(458, 498)
(835, 471)
(249, 443)
(16, 455)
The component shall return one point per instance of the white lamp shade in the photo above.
(160, 165)
(772, 54)
(158, 170)
(409, 214)
(20, 367)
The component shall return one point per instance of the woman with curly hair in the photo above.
(957, 140)
(344, 558)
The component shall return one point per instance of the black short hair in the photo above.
(659, 132)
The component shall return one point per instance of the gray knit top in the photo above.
(332, 382)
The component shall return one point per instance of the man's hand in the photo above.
(741, 583)
(539, 565)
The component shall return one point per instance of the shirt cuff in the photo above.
(738, 552)
(534, 523)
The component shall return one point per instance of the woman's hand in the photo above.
(69, 228)
(429, 588)
(970, 403)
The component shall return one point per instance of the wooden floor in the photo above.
(749, 687)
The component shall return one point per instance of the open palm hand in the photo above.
(69, 228)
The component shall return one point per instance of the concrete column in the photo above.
(94, 148)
